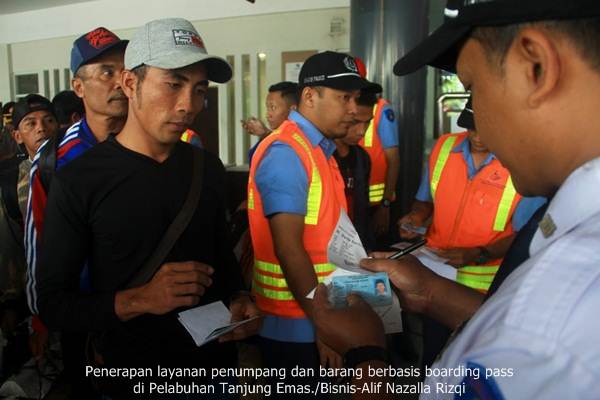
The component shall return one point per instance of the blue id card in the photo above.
(374, 289)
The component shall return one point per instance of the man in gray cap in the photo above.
(112, 207)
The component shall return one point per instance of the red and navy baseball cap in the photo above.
(441, 48)
(93, 44)
(334, 70)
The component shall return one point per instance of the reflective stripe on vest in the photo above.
(508, 195)
(270, 281)
(441, 163)
(369, 133)
(477, 277)
(376, 192)
(315, 190)
(504, 207)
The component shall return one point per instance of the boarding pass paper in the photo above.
(208, 322)
(345, 250)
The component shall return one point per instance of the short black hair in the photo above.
(65, 104)
(583, 33)
(367, 98)
(289, 91)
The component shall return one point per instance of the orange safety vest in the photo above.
(324, 203)
(469, 213)
(371, 142)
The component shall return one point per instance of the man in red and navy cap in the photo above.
(96, 64)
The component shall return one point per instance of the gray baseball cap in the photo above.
(172, 43)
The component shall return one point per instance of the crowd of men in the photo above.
(509, 203)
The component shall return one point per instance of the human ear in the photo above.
(307, 96)
(541, 62)
(77, 85)
(128, 83)
(17, 136)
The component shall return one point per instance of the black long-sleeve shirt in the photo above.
(110, 208)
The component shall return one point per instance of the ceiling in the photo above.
(17, 6)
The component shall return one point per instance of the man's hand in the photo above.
(381, 221)
(242, 308)
(255, 127)
(178, 284)
(409, 219)
(460, 256)
(346, 328)
(329, 357)
(410, 278)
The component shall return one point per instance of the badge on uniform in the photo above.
(547, 226)
(389, 114)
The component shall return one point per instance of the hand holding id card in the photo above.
(374, 289)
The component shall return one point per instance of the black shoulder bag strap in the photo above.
(177, 227)
(47, 161)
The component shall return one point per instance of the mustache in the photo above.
(118, 96)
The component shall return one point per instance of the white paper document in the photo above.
(345, 249)
(208, 322)
(436, 263)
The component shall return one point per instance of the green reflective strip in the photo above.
(376, 192)
(273, 294)
(315, 190)
(276, 294)
(479, 269)
(441, 163)
(369, 135)
(473, 283)
(504, 207)
(250, 199)
(270, 280)
(276, 269)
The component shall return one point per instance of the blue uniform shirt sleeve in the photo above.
(282, 181)
(424, 192)
(525, 210)
(388, 128)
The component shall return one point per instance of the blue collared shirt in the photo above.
(524, 210)
(388, 128)
(283, 185)
(281, 178)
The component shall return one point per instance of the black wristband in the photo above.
(358, 355)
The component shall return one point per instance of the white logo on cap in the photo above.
(450, 13)
(350, 64)
(187, 38)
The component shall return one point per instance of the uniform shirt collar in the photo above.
(315, 137)
(574, 203)
(465, 148)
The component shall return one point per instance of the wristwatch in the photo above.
(386, 203)
(358, 355)
(484, 255)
